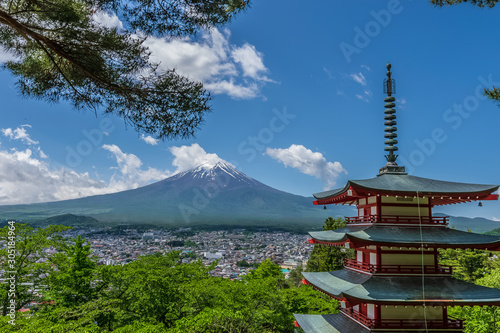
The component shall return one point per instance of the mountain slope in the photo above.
(477, 224)
(207, 194)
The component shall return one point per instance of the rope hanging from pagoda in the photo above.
(390, 118)
(423, 262)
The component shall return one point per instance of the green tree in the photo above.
(306, 300)
(64, 53)
(295, 277)
(243, 263)
(468, 265)
(334, 224)
(479, 3)
(266, 269)
(481, 319)
(71, 284)
(158, 293)
(329, 258)
(29, 253)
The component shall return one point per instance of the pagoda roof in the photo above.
(406, 236)
(403, 184)
(443, 290)
(332, 323)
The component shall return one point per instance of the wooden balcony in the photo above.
(402, 324)
(398, 220)
(397, 269)
(359, 317)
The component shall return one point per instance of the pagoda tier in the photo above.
(354, 288)
(404, 236)
(404, 186)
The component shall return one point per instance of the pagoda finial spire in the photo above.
(390, 118)
(390, 122)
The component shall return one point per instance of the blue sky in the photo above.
(298, 105)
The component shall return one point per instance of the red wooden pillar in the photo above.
(430, 207)
(377, 314)
(445, 316)
(363, 309)
(379, 206)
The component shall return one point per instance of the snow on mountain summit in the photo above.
(222, 173)
(221, 168)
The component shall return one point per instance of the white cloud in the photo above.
(131, 174)
(496, 219)
(109, 20)
(309, 163)
(188, 157)
(401, 103)
(28, 176)
(328, 72)
(24, 178)
(42, 154)
(359, 78)
(223, 67)
(149, 140)
(366, 67)
(232, 89)
(251, 61)
(6, 56)
(365, 96)
(19, 134)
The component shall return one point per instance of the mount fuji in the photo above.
(212, 193)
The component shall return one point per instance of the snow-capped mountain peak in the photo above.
(217, 170)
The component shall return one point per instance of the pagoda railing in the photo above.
(398, 220)
(429, 323)
(397, 269)
(450, 322)
(359, 317)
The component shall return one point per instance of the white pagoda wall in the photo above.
(411, 312)
(406, 259)
(404, 210)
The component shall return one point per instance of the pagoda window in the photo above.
(370, 311)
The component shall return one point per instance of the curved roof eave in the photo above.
(331, 323)
(401, 289)
(396, 183)
(412, 236)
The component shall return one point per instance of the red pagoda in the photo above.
(396, 284)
